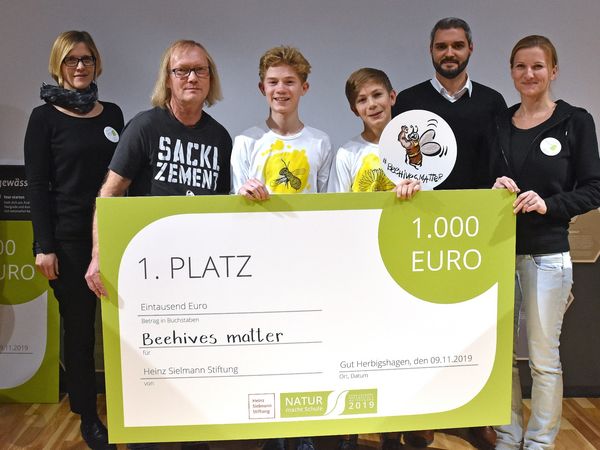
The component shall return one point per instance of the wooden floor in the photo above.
(55, 427)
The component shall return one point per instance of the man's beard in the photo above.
(452, 73)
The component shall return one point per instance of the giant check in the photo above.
(306, 314)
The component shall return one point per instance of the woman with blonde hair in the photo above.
(546, 151)
(68, 144)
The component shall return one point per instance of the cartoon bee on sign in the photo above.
(418, 145)
(289, 177)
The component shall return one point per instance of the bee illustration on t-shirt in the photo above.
(289, 177)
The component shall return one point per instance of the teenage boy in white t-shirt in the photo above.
(357, 164)
(281, 155)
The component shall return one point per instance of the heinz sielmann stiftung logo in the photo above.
(418, 144)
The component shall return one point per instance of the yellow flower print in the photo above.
(370, 177)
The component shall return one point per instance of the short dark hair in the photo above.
(451, 22)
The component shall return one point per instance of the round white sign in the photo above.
(420, 145)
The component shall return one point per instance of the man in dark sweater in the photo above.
(468, 108)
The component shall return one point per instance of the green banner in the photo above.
(29, 322)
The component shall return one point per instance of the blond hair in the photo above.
(284, 55)
(63, 44)
(161, 95)
(536, 40)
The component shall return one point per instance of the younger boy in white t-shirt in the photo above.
(357, 165)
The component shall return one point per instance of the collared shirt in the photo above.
(468, 87)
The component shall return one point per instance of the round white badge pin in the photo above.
(111, 134)
(550, 146)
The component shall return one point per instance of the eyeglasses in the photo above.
(73, 61)
(184, 72)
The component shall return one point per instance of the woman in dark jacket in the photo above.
(547, 152)
(68, 144)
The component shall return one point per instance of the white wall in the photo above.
(337, 37)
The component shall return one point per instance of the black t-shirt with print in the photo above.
(164, 157)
